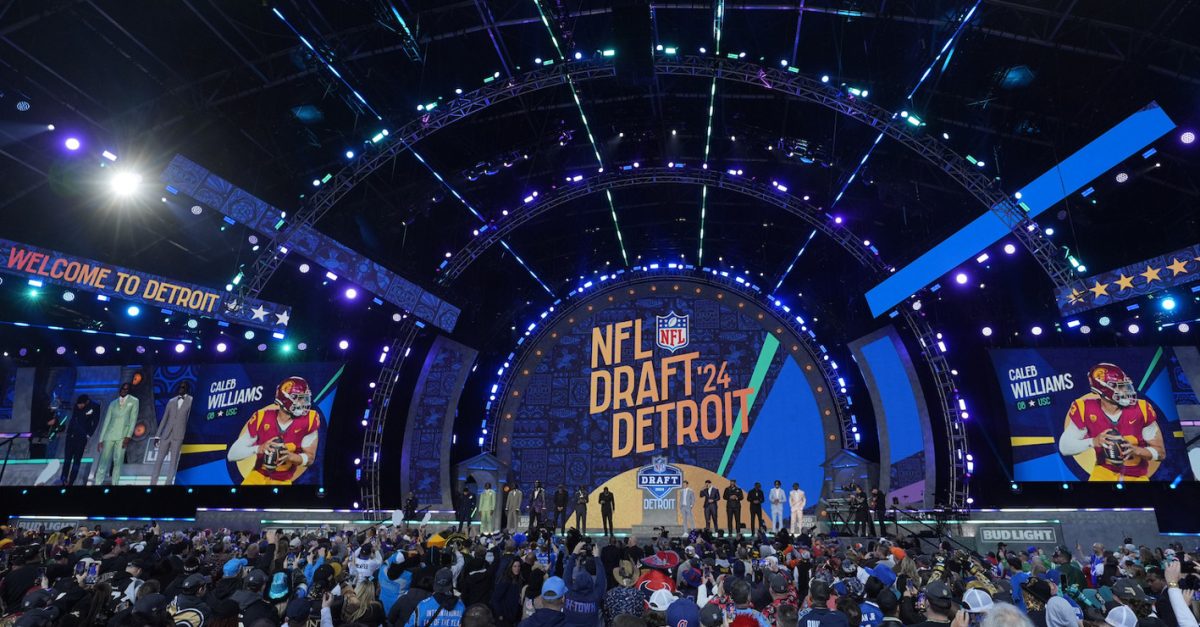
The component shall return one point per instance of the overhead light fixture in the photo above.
(125, 182)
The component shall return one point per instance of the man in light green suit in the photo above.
(119, 421)
(487, 510)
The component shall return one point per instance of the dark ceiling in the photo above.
(228, 84)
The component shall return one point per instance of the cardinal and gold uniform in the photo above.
(266, 425)
(1087, 414)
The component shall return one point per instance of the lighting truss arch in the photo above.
(794, 85)
(619, 178)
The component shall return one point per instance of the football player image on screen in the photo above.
(1113, 435)
(281, 438)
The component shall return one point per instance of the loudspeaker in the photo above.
(634, 41)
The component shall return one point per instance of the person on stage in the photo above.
(512, 507)
(862, 512)
(756, 498)
(170, 432)
(119, 421)
(411, 506)
(776, 497)
(562, 498)
(282, 437)
(733, 507)
(465, 509)
(711, 498)
(487, 509)
(607, 503)
(537, 505)
(1122, 430)
(879, 507)
(85, 417)
(687, 500)
(581, 503)
(797, 501)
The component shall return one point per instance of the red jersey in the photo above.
(264, 426)
(1087, 414)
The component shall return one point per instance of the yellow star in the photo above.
(1125, 282)
(1179, 266)
(1098, 290)
(1074, 297)
(1151, 274)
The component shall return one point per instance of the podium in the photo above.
(659, 484)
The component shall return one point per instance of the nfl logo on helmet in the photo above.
(671, 331)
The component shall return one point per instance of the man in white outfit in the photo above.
(687, 500)
(776, 499)
(797, 502)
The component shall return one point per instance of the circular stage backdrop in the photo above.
(673, 367)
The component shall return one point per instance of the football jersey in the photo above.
(264, 426)
(1087, 414)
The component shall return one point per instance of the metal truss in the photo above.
(846, 422)
(377, 415)
(619, 178)
(792, 84)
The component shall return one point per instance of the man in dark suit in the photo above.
(537, 505)
(85, 417)
(756, 497)
(581, 503)
(562, 498)
(607, 502)
(733, 507)
(711, 497)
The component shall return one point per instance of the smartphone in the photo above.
(921, 599)
(93, 573)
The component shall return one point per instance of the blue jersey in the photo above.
(872, 616)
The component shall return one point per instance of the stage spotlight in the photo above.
(302, 346)
(179, 348)
(72, 144)
(1184, 327)
(249, 335)
(836, 219)
(1122, 177)
(1049, 230)
(304, 268)
(22, 105)
(222, 347)
(343, 344)
(351, 293)
(1085, 329)
(1187, 137)
(286, 347)
(349, 154)
(987, 331)
(1009, 249)
(132, 311)
(50, 127)
(825, 78)
(262, 347)
(1133, 328)
(960, 278)
(99, 350)
(68, 296)
(1168, 303)
(916, 305)
(396, 317)
(192, 323)
(1066, 486)
(61, 350)
(1014, 487)
(125, 182)
(1120, 486)
(1104, 321)
(316, 182)
(140, 349)
(1036, 330)
(197, 210)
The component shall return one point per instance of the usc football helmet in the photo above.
(1111, 383)
(294, 396)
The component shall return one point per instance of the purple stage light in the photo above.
(837, 219)
(1009, 249)
(1036, 330)
(179, 348)
(961, 278)
(343, 345)
(262, 347)
(351, 293)
(72, 144)
(99, 350)
(140, 349)
(1187, 137)
(1134, 328)
(222, 347)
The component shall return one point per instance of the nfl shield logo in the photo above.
(671, 331)
(659, 479)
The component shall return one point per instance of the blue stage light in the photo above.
(349, 154)
(1168, 303)
(133, 311)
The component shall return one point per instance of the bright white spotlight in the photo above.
(304, 268)
(343, 344)
(99, 350)
(1134, 328)
(68, 296)
(179, 348)
(987, 331)
(222, 347)
(1036, 330)
(1009, 249)
(1184, 327)
(125, 182)
(960, 278)
(1122, 177)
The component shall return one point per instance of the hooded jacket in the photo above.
(584, 593)
(545, 618)
(392, 589)
(428, 614)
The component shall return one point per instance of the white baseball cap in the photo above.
(662, 599)
(1121, 616)
(977, 601)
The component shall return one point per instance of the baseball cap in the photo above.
(778, 584)
(1128, 589)
(231, 568)
(683, 613)
(938, 593)
(711, 615)
(884, 574)
(256, 578)
(977, 601)
(150, 605)
(443, 581)
(553, 589)
(661, 600)
(818, 589)
(193, 583)
(1121, 616)
(36, 598)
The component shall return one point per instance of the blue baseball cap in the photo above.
(683, 613)
(554, 588)
(233, 566)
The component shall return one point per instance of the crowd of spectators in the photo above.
(385, 576)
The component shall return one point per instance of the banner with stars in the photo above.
(1132, 281)
(135, 286)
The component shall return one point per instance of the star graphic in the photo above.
(1099, 289)
(259, 313)
(282, 318)
(1178, 267)
(1074, 296)
(1151, 274)
(1124, 282)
